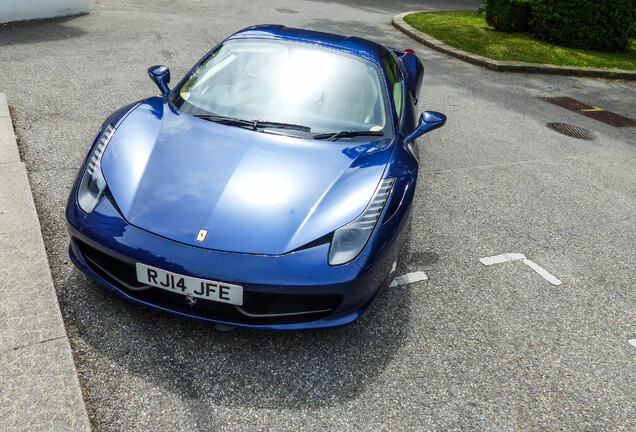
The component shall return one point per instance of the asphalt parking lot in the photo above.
(474, 347)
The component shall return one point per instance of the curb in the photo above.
(502, 65)
(39, 386)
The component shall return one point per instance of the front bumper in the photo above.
(292, 291)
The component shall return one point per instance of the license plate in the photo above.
(190, 286)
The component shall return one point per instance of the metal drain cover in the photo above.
(572, 131)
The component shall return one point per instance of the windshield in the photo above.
(321, 89)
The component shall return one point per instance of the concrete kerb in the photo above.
(506, 66)
(39, 386)
(8, 147)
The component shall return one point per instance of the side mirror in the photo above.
(161, 76)
(429, 120)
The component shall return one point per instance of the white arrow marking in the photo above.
(632, 342)
(408, 279)
(497, 259)
(542, 272)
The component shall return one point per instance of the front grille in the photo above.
(258, 307)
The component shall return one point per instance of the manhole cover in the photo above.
(287, 11)
(572, 131)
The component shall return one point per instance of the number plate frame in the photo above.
(207, 289)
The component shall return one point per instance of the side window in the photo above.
(396, 83)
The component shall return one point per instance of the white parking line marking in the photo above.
(497, 259)
(632, 342)
(542, 272)
(408, 279)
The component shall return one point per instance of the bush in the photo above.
(602, 25)
(511, 16)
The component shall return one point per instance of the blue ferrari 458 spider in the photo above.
(270, 188)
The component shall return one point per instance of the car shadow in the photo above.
(48, 30)
(239, 367)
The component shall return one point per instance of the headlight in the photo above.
(93, 184)
(350, 239)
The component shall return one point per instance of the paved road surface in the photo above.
(473, 347)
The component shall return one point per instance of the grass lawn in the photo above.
(468, 31)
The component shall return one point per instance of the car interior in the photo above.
(322, 88)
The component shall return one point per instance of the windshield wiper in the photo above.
(230, 121)
(252, 124)
(333, 136)
(277, 125)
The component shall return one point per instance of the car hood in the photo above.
(259, 193)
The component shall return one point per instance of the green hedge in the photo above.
(511, 16)
(603, 25)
